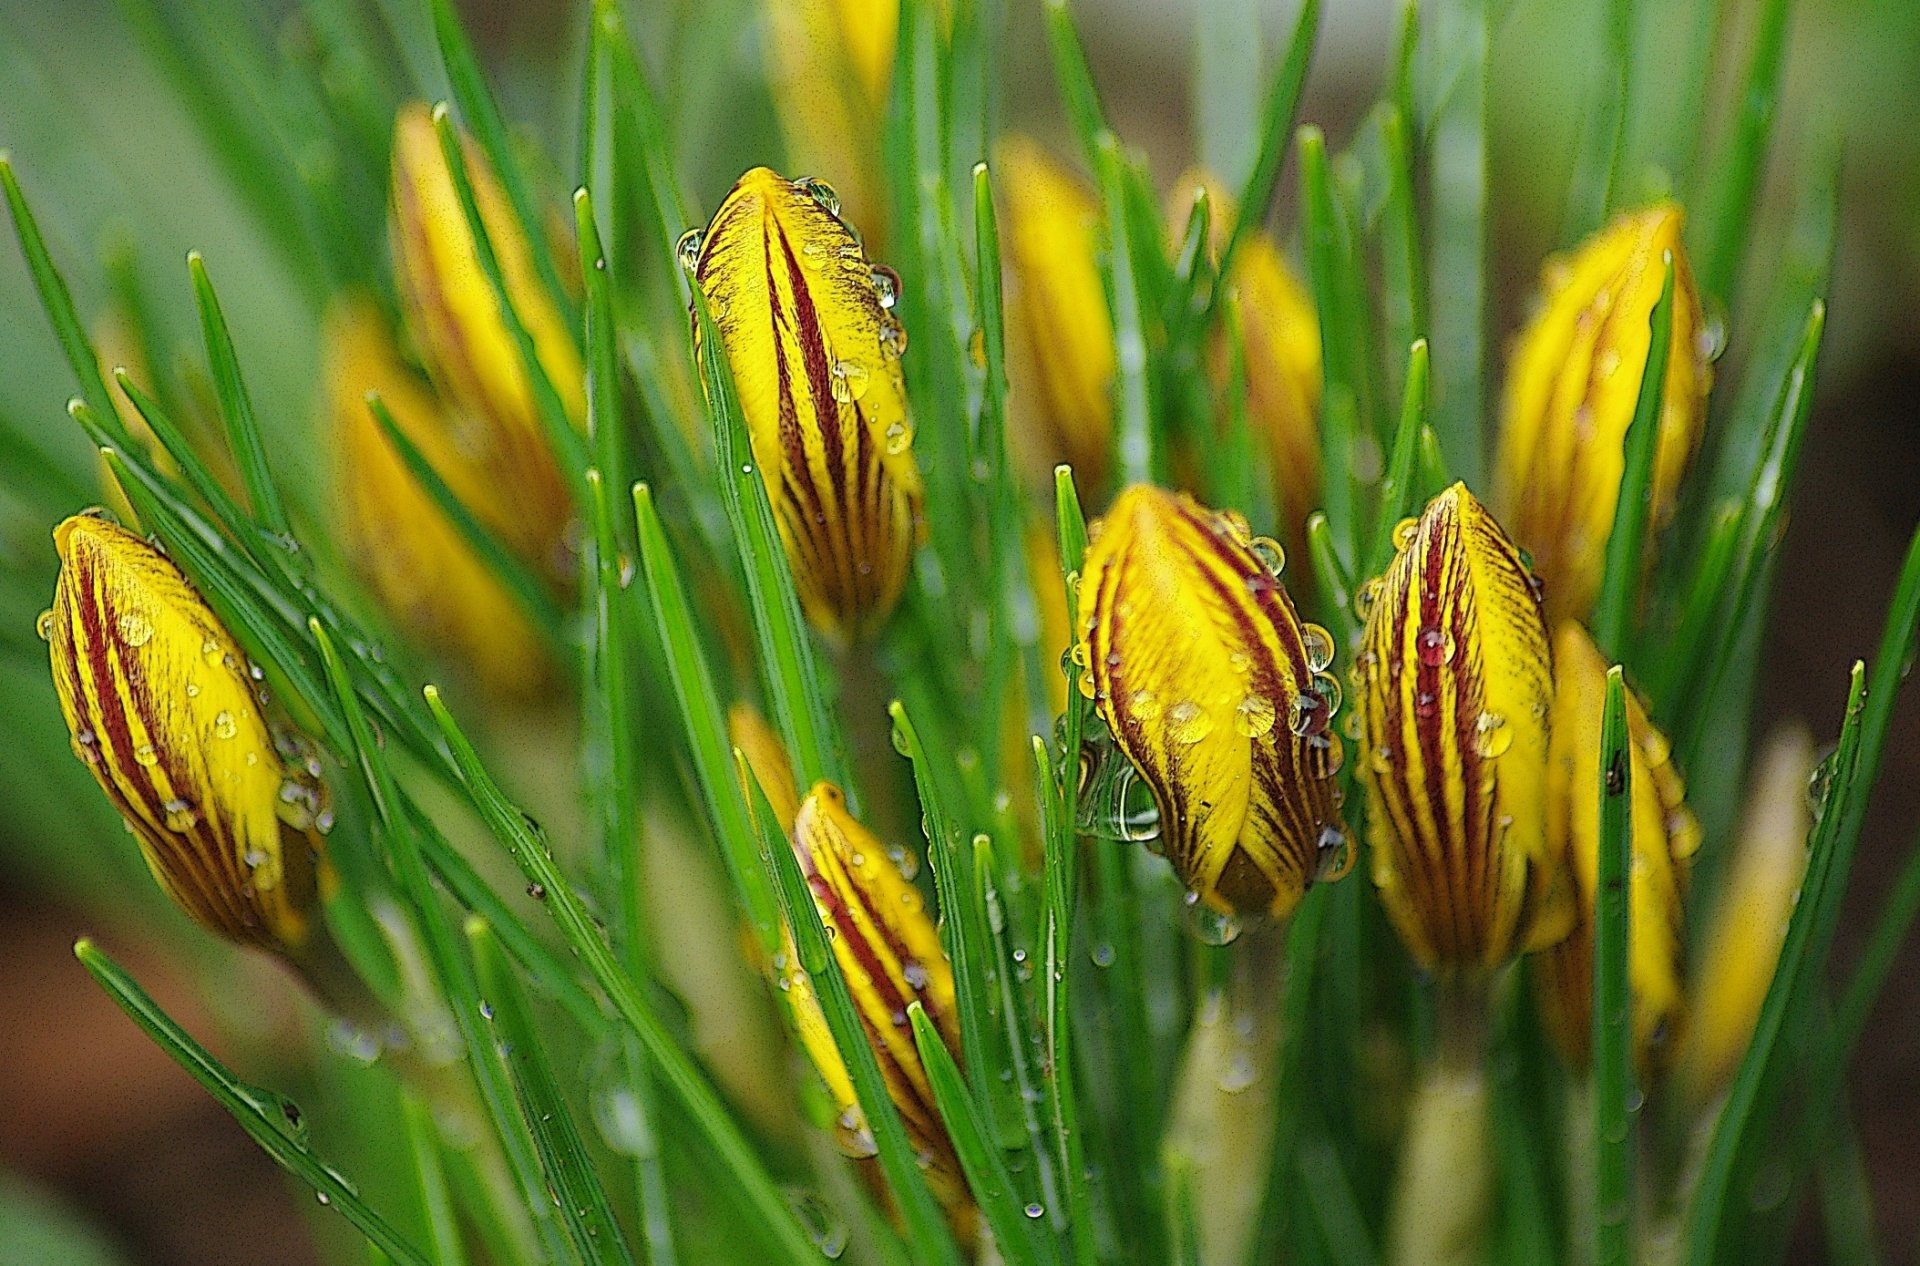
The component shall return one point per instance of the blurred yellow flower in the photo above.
(164, 711)
(1665, 836)
(1455, 678)
(1219, 695)
(806, 323)
(831, 65)
(1572, 382)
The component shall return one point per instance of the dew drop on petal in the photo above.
(886, 285)
(1319, 646)
(181, 815)
(687, 249)
(1404, 532)
(224, 726)
(1492, 734)
(1253, 717)
(135, 629)
(1434, 646)
(820, 191)
(1269, 553)
(146, 755)
(1188, 722)
(44, 625)
(897, 438)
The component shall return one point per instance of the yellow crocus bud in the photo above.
(416, 561)
(1665, 836)
(454, 317)
(1749, 924)
(1281, 331)
(165, 713)
(1062, 365)
(889, 951)
(1572, 383)
(1455, 678)
(808, 329)
(831, 66)
(1219, 695)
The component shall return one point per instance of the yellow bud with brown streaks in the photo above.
(1219, 695)
(1455, 678)
(888, 949)
(808, 329)
(1062, 362)
(164, 712)
(1572, 383)
(454, 317)
(1665, 837)
(414, 559)
(1281, 331)
(830, 68)
(1746, 929)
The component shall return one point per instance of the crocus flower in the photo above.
(1748, 924)
(1572, 383)
(806, 324)
(1665, 835)
(1063, 362)
(165, 713)
(1219, 695)
(1455, 678)
(467, 345)
(417, 562)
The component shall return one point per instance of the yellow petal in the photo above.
(1665, 835)
(416, 561)
(831, 65)
(815, 353)
(164, 713)
(1219, 695)
(455, 318)
(1748, 923)
(1455, 680)
(1572, 382)
(767, 758)
(1062, 364)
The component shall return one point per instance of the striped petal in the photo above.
(1218, 695)
(1665, 835)
(1572, 384)
(166, 715)
(807, 326)
(1455, 679)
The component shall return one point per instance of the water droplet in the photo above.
(848, 380)
(1188, 722)
(1253, 717)
(820, 191)
(145, 755)
(1819, 784)
(893, 336)
(86, 745)
(1403, 533)
(193, 690)
(1327, 687)
(904, 860)
(323, 1198)
(224, 726)
(886, 285)
(1325, 754)
(1319, 647)
(1491, 734)
(1035, 1210)
(135, 629)
(687, 249)
(1434, 646)
(1144, 705)
(537, 891)
(1208, 925)
(1269, 553)
(210, 649)
(1234, 526)
(1307, 714)
(181, 815)
(1364, 598)
(1333, 854)
(897, 438)
(1101, 954)
(853, 1135)
(1608, 363)
(44, 625)
(1114, 802)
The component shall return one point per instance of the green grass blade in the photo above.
(1138, 458)
(1700, 604)
(582, 1201)
(236, 407)
(1330, 574)
(57, 301)
(1731, 185)
(704, 718)
(1596, 174)
(1403, 274)
(781, 636)
(1613, 610)
(642, 148)
(1015, 1233)
(226, 511)
(1458, 223)
(1874, 968)
(1280, 109)
(924, 1225)
(1223, 91)
(1613, 1080)
(1399, 489)
(432, 1197)
(678, 1073)
(1074, 78)
(269, 1119)
(1345, 408)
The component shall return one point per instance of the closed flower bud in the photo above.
(416, 561)
(1748, 925)
(455, 319)
(1572, 385)
(831, 65)
(808, 329)
(1665, 835)
(1218, 695)
(1063, 361)
(889, 951)
(166, 715)
(1282, 341)
(1455, 678)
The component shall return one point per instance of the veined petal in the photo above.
(1455, 678)
(455, 318)
(166, 716)
(806, 323)
(1063, 361)
(1572, 384)
(1665, 835)
(416, 562)
(1219, 695)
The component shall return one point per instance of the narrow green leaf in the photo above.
(236, 407)
(226, 511)
(1613, 1079)
(1613, 609)
(1281, 108)
(584, 1207)
(1403, 273)
(1399, 489)
(1344, 411)
(1224, 88)
(1596, 174)
(429, 1176)
(1137, 458)
(272, 1121)
(1074, 78)
(1455, 113)
(1731, 185)
(1700, 603)
(925, 1227)
(1329, 573)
